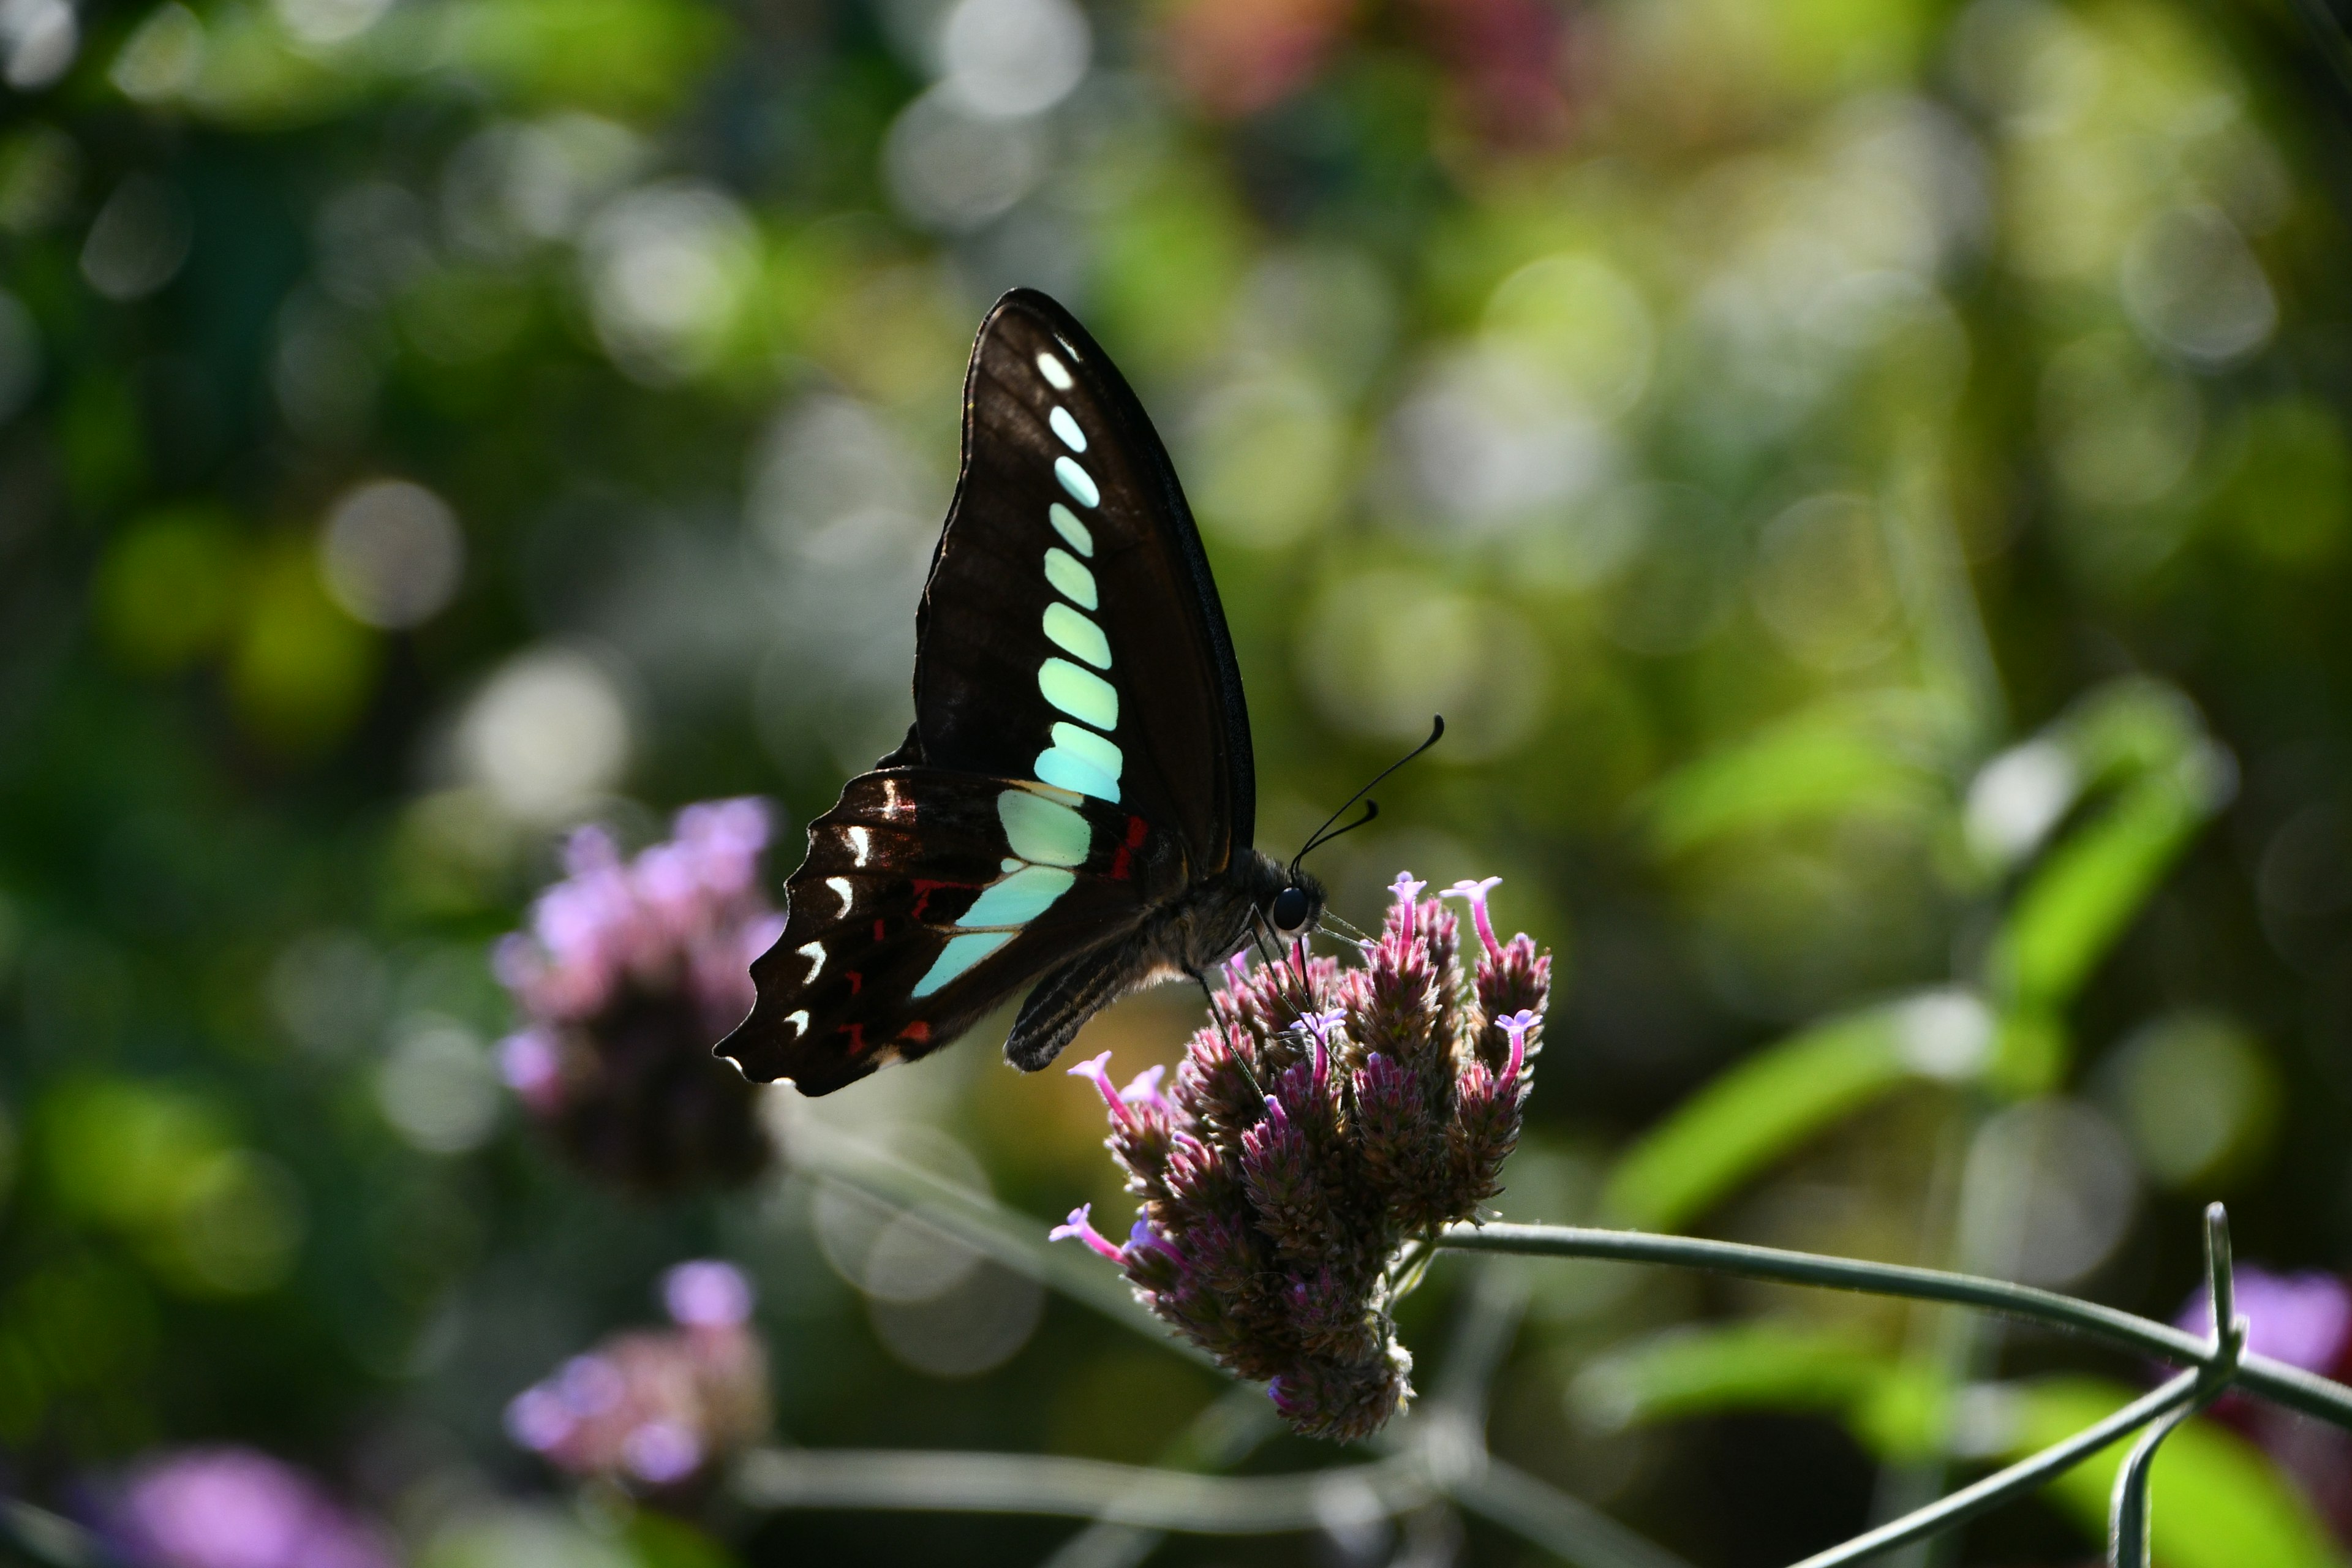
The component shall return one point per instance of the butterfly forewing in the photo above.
(1070, 627)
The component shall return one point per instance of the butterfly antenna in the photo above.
(1325, 834)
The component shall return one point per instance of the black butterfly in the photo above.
(1073, 802)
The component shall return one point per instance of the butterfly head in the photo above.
(1297, 910)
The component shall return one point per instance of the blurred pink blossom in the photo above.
(627, 973)
(655, 1407)
(237, 1508)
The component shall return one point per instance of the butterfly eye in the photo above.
(1290, 911)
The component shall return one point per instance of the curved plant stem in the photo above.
(2127, 1525)
(910, 1480)
(2274, 1380)
(1568, 1527)
(2025, 1475)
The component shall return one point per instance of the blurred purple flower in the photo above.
(2302, 1319)
(2306, 1321)
(655, 1407)
(628, 974)
(707, 1294)
(1324, 1120)
(236, 1508)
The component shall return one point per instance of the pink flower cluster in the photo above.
(236, 1508)
(1323, 1121)
(655, 1407)
(629, 972)
(688, 913)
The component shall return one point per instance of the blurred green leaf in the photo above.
(1786, 1094)
(2086, 892)
(1829, 763)
(2219, 1501)
(627, 57)
(661, 1542)
(124, 1152)
(1766, 1367)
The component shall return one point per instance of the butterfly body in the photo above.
(1073, 804)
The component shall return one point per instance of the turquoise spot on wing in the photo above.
(1067, 428)
(1078, 481)
(1019, 899)
(1066, 523)
(1043, 831)
(1073, 633)
(1067, 770)
(1080, 693)
(1074, 582)
(960, 954)
(1104, 756)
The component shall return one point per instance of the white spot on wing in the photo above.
(861, 841)
(1054, 371)
(814, 954)
(841, 885)
(1067, 428)
(799, 1021)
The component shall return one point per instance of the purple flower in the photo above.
(1322, 1121)
(707, 1294)
(2302, 1319)
(655, 1407)
(235, 1508)
(628, 973)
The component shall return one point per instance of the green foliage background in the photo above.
(1866, 481)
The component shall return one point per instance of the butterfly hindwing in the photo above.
(927, 898)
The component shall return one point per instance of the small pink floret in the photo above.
(1080, 1226)
(1098, 1069)
(1475, 893)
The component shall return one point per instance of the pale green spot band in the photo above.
(1043, 831)
(1101, 753)
(960, 954)
(1081, 693)
(1074, 634)
(1068, 770)
(1018, 899)
(1053, 370)
(1066, 523)
(1067, 428)
(1075, 583)
(1078, 481)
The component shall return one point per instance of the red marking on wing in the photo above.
(916, 1033)
(1121, 863)
(856, 981)
(923, 891)
(856, 1033)
(881, 930)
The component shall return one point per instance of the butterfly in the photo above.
(1073, 803)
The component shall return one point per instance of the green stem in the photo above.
(2274, 1380)
(2025, 1475)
